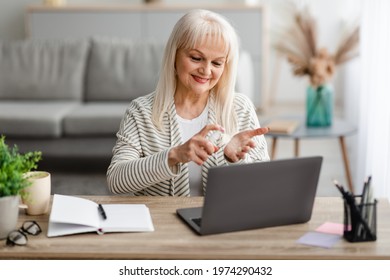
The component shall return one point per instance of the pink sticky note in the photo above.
(332, 228)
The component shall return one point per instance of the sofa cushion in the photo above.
(33, 119)
(42, 70)
(122, 70)
(95, 118)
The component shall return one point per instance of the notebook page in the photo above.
(74, 210)
(126, 217)
(59, 229)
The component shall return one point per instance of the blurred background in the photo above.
(272, 85)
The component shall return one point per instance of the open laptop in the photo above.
(256, 195)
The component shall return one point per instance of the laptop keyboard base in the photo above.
(197, 221)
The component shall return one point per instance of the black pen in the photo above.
(355, 213)
(102, 212)
(340, 188)
(349, 198)
(366, 190)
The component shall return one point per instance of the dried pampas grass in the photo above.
(299, 44)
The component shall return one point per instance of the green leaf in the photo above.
(12, 167)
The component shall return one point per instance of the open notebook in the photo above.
(72, 215)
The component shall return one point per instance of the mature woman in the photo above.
(169, 139)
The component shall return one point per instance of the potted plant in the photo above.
(13, 166)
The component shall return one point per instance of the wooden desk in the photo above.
(172, 238)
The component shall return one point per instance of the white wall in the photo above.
(12, 18)
(331, 15)
(12, 12)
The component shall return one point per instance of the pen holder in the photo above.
(360, 222)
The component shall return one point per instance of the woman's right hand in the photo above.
(196, 149)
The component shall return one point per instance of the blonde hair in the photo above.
(190, 30)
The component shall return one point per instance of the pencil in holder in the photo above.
(360, 221)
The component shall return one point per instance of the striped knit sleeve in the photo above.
(129, 171)
(247, 120)
(260, 152)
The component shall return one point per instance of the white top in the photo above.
(189, 128)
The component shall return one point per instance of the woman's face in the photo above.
(199, 69)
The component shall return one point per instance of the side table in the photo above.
(339, 129)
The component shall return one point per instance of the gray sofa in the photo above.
(67, 98)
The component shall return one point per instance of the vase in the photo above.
(9, 213)
(319, 106)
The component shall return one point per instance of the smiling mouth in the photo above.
(200, 80)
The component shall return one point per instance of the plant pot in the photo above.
(9, 213)
(37, 196)
(319, 106)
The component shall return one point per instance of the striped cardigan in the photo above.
(140, 157)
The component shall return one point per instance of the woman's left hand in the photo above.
(242, 143)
